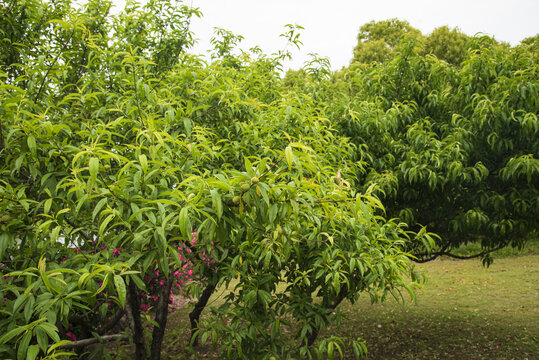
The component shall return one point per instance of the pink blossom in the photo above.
(71, 336)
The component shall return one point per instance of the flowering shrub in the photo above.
(156, 279)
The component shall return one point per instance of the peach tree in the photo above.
(116, 146)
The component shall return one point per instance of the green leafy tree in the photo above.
(531, 42)
(378, 40)
(453, 149)
(116, 146)
(447, 44)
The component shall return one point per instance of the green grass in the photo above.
(463, 311)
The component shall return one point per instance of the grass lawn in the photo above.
(464, 311)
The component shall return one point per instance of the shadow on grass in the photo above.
(406, 334)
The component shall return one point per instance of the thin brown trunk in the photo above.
(311, 338)
(161, 313)
(194, 316)
(138, 330)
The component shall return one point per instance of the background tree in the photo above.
(447, 44)
(379, 40)
(453, 149)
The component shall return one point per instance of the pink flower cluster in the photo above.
(156, 279)
(182, 275)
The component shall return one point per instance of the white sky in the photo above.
(331, 27)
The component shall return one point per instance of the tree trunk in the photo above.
(311, 338)
(138, 331)
(194, 316)
(161, 313)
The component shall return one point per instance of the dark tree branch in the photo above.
(161, 313)
(52, 64)
(90, 341)
(194, 316)
(311, 338)
(420, 258)
(138, 330)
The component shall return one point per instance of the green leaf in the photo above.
(93, 168)
(29, 308)
(217, 203)
(104, 224)
(23, 345)
(47, 206)
(98, 208)
(289, 156)
(104, 285)
(12, 333)
(138, 282)
(143, 162)
(188, 125)
(5, 242)
(120, 289)
(32, 352)
(32, 144)
(185, 223)
(42, 338)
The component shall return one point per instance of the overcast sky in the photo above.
(331, 27)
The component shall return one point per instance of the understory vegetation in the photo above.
(463, 311)
(131, 170)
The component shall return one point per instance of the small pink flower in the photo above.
(71, 336)
(116, 252)
(162, 282)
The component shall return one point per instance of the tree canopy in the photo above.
(129, 166)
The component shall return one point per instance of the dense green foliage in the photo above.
(378, 41)
(455, 149)
(116, 146)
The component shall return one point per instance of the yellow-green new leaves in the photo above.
(143, 162)
(217, 203)
(32, 144)
(119, 284)
(93, 167)
(185, 223)
(289, 156)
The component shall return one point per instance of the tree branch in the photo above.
(90, 341)
(418, 258)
